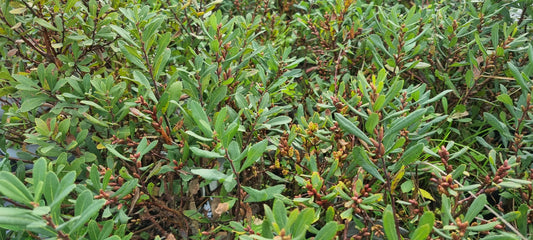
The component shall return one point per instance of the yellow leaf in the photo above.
(16, 11)
(425, 194)
(186, 5)
(100, 146)
(397, 178)
(17, 25)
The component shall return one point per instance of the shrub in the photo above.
(266, 120)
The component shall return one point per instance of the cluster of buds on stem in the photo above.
(127, 141)
(364, 233)
(285, 149)
(177, 166)
(135, 158)
(358, 197)
(444, 183)
(460, 233)
(416, 208)
(313, 139)
(379, 150)
(318, 197)
(403, 100)
(250, 231)
(283, 235)
(501, 173)
(353, 33)
(444, 157)
(336, 130)
(339, 106)
(157, 123)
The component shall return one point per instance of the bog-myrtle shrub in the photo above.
(266, 119)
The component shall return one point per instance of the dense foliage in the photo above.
(266, 119)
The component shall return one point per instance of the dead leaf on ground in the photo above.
(194, 187)
(222, 208)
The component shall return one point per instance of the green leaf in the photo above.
(507, 236)
(350, 127)
(230, 132)
(371, 122)
(160, 62)
(254, 153)
(209, 174)
(150, 29)
(480, 44)
(95, 177)
(198, 115)
(216, 97)
(421, 232)
(87, 214)
(424, 226)
(141, 80)
(204, 153)
(389, 224)
(511, 216)
(280, 120)
(52, 183)
(93, 104)
(505, 98)
(125, 189)
(394, 130)
(373, 198)
(65, 187)
(437, 97)
(143, 147)
(497, 124)
(95, 121)
(113, 151)
(132, 55)
(302, 223)
(280, 213)
(428, 218)
(45, 24)
(483, 227)
(264, 194)
(162, 44)
(41, 127)
(468, 187)
(394, 91)
(39, 170)
(522, 221)
(379, 103)
(376, 41)
(509, 184)
(330, 214)
(16, 219)
(193, 134)
(83, 201)
(32, 103)
(361, 158)
(475, 208)
(11, 187)
(409, 156)
(519, 78)
(124, 34)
